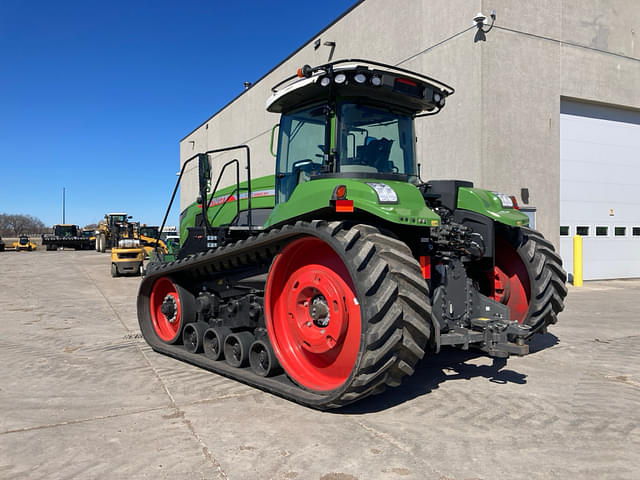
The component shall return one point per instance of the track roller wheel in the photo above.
(171, 306)
(528, 277)
(236, 348)
(214, 342)
(262, 359)
(192, 336)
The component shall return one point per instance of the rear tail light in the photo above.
(344, 205)
(425, 266)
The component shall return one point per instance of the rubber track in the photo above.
(393, 297)
(548, 288)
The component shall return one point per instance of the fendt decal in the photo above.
(214, 202)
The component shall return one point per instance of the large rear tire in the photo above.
(101, 243)
(528, 277)
(347, 312)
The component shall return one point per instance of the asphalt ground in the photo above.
(83, 396)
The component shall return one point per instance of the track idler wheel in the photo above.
(236, 348)
(171, 307)
(214, 342)
(263, 360)
(193, 336)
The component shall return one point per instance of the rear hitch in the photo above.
(497, 337)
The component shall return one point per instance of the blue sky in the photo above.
(95, 95)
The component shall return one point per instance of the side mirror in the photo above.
(204, 173)
(273, 134)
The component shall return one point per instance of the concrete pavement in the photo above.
(83, 396)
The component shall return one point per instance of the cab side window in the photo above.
(300, 149)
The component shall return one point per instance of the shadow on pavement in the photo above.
(449, 365)
(542, 342)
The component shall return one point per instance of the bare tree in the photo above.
(15, 224)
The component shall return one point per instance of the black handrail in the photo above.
(236, 190)
(209, 152)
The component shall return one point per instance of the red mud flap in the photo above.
(498, 338)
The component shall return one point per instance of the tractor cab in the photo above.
(117, 219)
(350, 119)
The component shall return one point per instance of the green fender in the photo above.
(315, 195)
(488, 204)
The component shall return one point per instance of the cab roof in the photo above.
(367, 79)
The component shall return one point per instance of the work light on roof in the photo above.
(325, 81)
(376, 81)
(360, 78)
(340, 78)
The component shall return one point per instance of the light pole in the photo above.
(63, 206)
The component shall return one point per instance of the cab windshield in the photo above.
(375, 140)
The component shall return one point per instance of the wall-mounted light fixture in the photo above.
(481, 21)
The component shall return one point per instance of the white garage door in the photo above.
(600, 188)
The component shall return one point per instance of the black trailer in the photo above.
(66, 236)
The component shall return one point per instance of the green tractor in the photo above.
(329, 280)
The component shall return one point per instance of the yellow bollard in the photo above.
(577, 261)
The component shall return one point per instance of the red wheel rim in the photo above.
(166, 311)
(511, 285)
(313, 315)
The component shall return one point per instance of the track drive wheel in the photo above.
(347, 312)
(528, 277)
(171, 307)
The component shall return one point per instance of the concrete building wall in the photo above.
(501, 127)
(525, 76)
